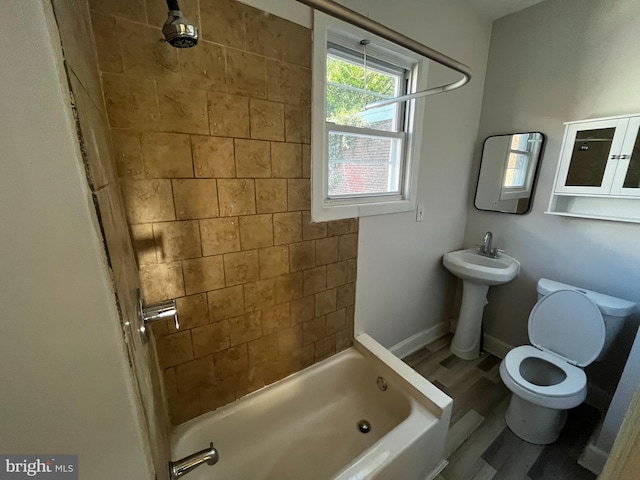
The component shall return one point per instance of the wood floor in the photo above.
(480, 446)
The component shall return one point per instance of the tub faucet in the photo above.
(486, 250)
(185, 465)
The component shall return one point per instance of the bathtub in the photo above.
(306, 426)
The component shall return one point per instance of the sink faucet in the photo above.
(185, 465)
(486, 249)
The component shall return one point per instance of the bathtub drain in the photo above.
(364, 426)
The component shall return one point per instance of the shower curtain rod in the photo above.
(354, 18)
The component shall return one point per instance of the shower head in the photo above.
(177, 30)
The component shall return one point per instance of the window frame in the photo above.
(340, 35)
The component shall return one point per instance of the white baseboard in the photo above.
(419, 340)
(593, 459)
(496, 347)
(436, 471)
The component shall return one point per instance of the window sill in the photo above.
(325, 213)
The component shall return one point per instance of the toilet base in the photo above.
(533, 423)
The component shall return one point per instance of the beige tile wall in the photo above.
(81, 64)
(213, 144)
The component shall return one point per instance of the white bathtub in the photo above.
(305, 427)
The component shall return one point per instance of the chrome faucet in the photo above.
(185, 465)
(486, 250)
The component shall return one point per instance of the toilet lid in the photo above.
(569, 324)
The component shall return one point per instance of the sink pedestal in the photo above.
(478, 273)
(466, 341)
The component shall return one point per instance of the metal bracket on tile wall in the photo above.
(153, 313)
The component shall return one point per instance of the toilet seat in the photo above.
(566, 394)
(574, 382)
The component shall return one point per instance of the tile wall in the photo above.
(213, 144)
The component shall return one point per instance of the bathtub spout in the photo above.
(185, 465)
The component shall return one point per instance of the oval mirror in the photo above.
(508, 171)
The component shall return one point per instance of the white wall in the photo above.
(66, 383)
(402, 287)
(558, 61)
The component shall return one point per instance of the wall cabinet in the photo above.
(598, 173)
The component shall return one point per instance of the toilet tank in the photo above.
(614, 310)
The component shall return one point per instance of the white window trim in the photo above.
(326, 29)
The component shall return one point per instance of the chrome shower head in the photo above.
(177, 30)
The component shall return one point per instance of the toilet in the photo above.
(569, 328)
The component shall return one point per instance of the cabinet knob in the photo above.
(624, 157)
(614, 157)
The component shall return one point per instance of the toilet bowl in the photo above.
(567, 332)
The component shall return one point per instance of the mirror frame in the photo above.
(534, 181)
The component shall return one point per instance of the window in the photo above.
(365, 147)
(364, 160)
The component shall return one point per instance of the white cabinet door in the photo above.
(626, 181)
(589, 157)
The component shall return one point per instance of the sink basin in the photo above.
(468, 265)
(478, 273)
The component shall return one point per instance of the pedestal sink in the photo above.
(477, 273)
